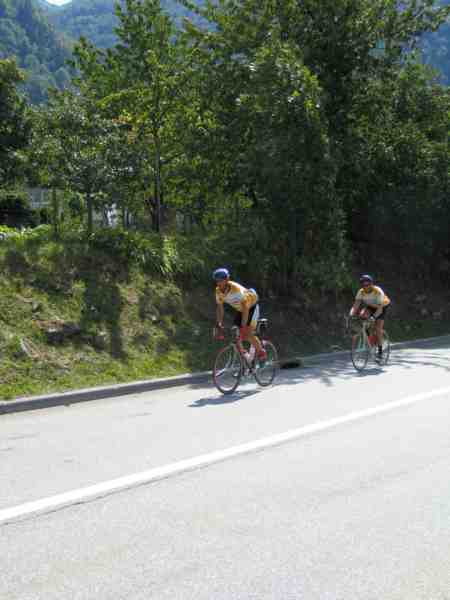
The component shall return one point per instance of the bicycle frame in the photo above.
(372, 340)
(362, 352)
(238, 343)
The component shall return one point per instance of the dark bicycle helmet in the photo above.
(220, 274)
(366, 277)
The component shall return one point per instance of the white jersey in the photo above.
(373, 295)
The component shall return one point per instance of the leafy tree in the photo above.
(146, 82)
(265, 130)
(15, 210)
(336, 43)
(14, 125)
(74, 147)
(400, 173)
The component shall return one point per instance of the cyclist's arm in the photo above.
(355, 308)
(378, 309)
(219, 314)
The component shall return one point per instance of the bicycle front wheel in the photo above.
(360, 351)
(228, 369)
(265, 371)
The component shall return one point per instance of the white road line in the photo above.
(102, 489)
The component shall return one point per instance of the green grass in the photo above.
(132, 326)
(136, 346)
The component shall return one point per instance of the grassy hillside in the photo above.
(74, 315)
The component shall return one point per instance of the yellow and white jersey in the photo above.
(236, 296)
(373, 295)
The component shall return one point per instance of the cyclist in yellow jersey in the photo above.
(372, 302)
(244, 301)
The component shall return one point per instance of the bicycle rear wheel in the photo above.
(227, 370)
(386, 349)
(265, 371)
(360, 351)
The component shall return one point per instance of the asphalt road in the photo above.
(355, 505)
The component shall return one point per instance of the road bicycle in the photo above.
(233, 362)
(364, 343)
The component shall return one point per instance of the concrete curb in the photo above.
(134, 387)
(97, 393)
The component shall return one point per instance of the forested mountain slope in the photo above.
(38, 34)
(436, 49)
(46, 6)
(95, 19)
(39, 49)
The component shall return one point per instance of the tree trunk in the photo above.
(55, 210)
(90, 213)
(157, 207)
(293, 253)
(125, 218)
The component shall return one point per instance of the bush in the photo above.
(21, 238)
(15, 209)
(166, 256)
(8, 232)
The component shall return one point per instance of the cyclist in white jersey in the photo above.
(371, 301)
(245, 302)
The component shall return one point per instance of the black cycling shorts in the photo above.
(251, 312)
(382, 315)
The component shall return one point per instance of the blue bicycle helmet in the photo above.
(221, 274)
(366, 277)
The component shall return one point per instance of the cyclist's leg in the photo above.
(379, 323)
(253, 318)
(237, 321)
(379, 331)
(251, 324)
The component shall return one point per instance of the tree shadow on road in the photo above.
(220, 399)
(329, 370)
(433, 359)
